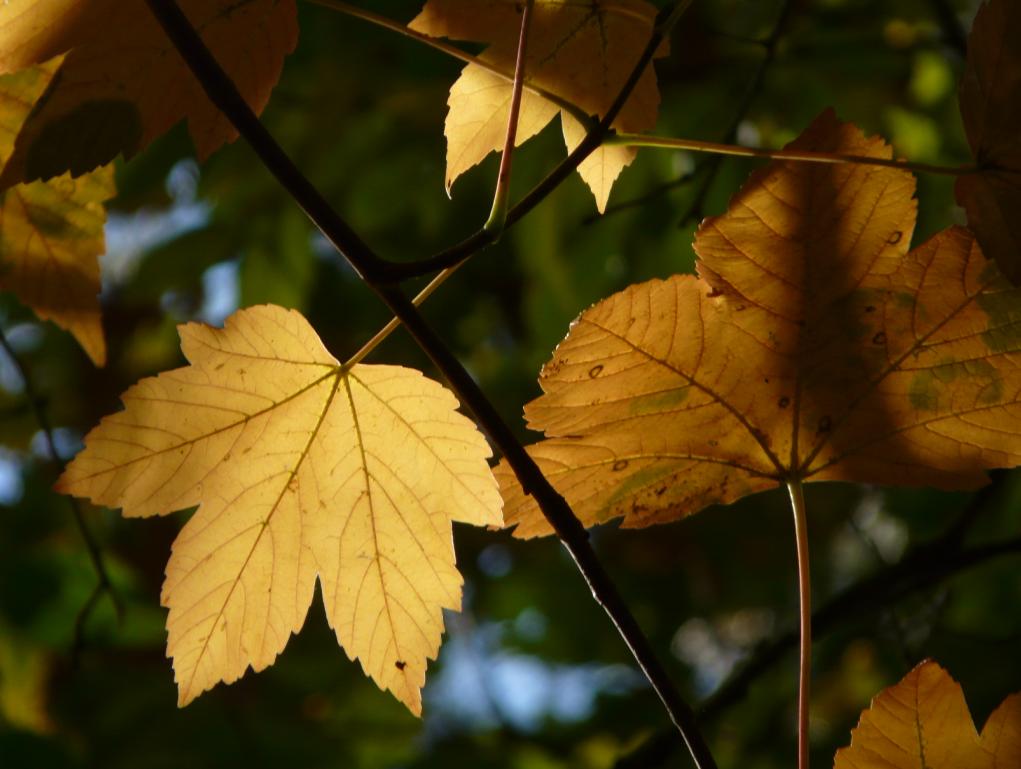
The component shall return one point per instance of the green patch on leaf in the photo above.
(658, 402)
(1004, 313)
(926, 385)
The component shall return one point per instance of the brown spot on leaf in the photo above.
(595, 371)
(879, 338)
(400, 664)
(619, 465)
(784, 402)
(895, 238)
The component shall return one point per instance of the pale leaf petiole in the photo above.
(803, 156)
(805, 617)
(501, 197)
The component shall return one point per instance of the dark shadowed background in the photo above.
(531, 675)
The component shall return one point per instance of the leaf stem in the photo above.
(394, 324)
(923, 567)
(224, 94)
(103, 583)
(710, 167)
(805, 617)
(804, 156)
(479, 240)
(498, 214)
(451, 50)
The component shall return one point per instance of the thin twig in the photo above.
(922, 568)
(224, 94)
(708, 170)
(481, 239)
(103, 584)
(892, 614)
(953, 30)
(498, 214)
(451, 50)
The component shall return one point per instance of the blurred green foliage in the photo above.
(532, 675)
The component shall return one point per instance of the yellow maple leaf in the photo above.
(923, 722)
(813, 347)
(122, 83)
(580, 52)
(51, 233)
(301, 469)
(991, 109)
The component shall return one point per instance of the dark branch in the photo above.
(224, 95)
(707, 169)
(953, 30)
(598, 131)
(923, 568)
(103, 584)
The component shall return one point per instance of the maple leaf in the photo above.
(122, 82)
(51, 233)
(582, 52)
(990, 98)
(301, 468)
(923, 721)
(813, 347)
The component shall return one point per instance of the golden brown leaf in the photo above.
(300, 469)
(991, 108)
(122, 84)
(923, 723)
(51, 233)
(581, 52)
(814, 346)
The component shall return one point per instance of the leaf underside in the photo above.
(990, 97)
(301, 470)
(122, 83)
(581, 52)
(51, 233)
(923, 723)
(813, 345)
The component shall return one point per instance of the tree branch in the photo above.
(223, 93)
(953, 31)
(593, 140)
(709, 168)
(451, 50)
(498, 214)
(103, 585)
(922, 568)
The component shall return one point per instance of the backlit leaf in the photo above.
(301, 469)
(813, 346)
(581, 52)
(991, 108)
(51, 233)
(923, 723)
(122, 83)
